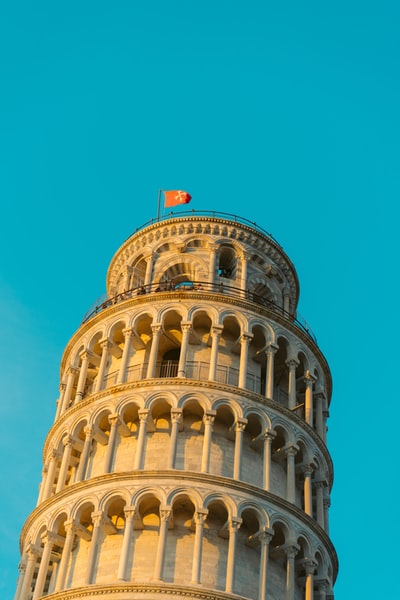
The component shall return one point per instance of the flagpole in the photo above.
(159, 204)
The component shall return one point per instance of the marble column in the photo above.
(72, 371)
(308, 471)
(292, 364)
(234, 525)
(319, 487)
(143, 416)
(125, 355)
(66, 555)
(290, 552)
(244, 258)
(268, 437)
(48, 539)
(309, 568)
(186, 329)
(80, 388)
(165, 514)
(176, 417)
(67, 442)
(212, 248)
(149, 269)
(130, 512)
(32, 555)
(240, 426)
(51, 471)
(291, 452)
(199, 519)
(151, 369)
(208, 421)
(269, 388)
(216, 334)
(265, 538)
(84, 458)
(309, 381)
(245, 340)
(105, 346)
(97, 519)
(108, 462)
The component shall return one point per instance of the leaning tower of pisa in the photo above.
(188, 454)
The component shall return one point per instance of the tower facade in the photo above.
(188, 454)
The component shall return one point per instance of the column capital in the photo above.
(292, 362)
(70, 525)
(308, 468)
(143, 415)
(130, 512)
(113, 419)
(165, 513)
(265, 536)
(48, 537)
(309, 565)
(105, 343)
(309, 379)
(216, 330)
(269, 434)
(127, 332)
(176, 415)
(271, 349)
(62, 387)
(72, 370)
(68, 440)
(54, 454)
(291, 550)
(156, 329)
(200, 516)
(291, 449)
(234, 524)
(213, 247)
(209, 417)
(88, 430)
(186, 326)
(149, 258)
(240, 424)
(86, 353)
(246, 337)
(97, 517)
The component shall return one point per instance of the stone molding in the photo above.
(166, 589)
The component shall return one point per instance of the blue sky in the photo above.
(284, 113)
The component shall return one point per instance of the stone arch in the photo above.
(158, 432)
(253, 446)
(146, 531)
(190, 438)
(223, 438)
(180, 539)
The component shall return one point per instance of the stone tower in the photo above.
(188, 454)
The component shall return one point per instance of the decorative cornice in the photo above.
(166, 589)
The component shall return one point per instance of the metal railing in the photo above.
(199, 286)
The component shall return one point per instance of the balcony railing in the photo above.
(199, 286)
(193, 370)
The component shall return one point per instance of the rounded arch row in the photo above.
(201, 343)
(221, 437)
(180, 536)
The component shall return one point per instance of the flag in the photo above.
(175, 197)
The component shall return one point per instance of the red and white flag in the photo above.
(175, 197)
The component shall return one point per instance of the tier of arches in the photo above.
(184, 536)
(222, 437)
(198, 342)
(206, 257)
